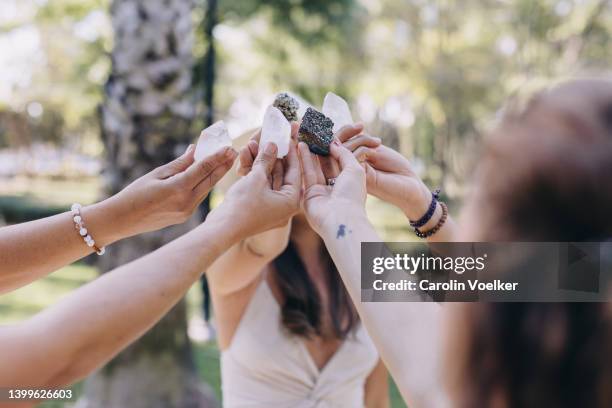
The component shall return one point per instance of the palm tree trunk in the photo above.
(146, 120)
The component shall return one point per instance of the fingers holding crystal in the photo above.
(310, 166)
(203, 188)
(265, 160)
(295, 130)
(277, 175)
(329, 166)
(247, 157)
(362, 140)
(344, 156)
(201, 170)
(293, 170)
(364, 153)
(256, 136)
(349, 131)
(177, 165)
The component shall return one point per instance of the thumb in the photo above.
(266, 158)
(343, 155)
(177, 165)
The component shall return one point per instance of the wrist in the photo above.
(435, 218)
(106, 222)
(225, 224)
(415, 206)
(343, 221)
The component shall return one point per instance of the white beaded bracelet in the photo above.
(79, 224)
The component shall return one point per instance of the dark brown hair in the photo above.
(546, 176)
(301, 312)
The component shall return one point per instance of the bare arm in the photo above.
(234, 277)
(377, 387)
(407, 335)
(246, 260)
(71, 339)
(98, 320)
(390, 177)
(165, 196)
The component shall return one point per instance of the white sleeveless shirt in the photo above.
(267, 367)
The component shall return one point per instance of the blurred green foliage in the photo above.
(429, 77)
(310, 21)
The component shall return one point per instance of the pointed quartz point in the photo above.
(212, 139)
(277, 129)
(336, 108)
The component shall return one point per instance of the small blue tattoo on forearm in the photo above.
(342, 231)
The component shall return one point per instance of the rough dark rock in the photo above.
(316, 130)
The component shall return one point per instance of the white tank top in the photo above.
(267, 367)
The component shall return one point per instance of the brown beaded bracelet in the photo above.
(437, 227)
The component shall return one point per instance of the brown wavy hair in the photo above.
(546, 176)
(301, 311)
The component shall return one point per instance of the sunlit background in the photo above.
(429, 77)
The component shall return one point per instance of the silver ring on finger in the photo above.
(331, 181)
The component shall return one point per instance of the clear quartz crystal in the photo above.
(212, 139)
(336, 108)
(277, 129)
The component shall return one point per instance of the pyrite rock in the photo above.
(316, 130)
(287, 105)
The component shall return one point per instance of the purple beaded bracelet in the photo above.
(430, 211)
(438, 226)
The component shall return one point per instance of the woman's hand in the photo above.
(269, 244)
(169, 194)
(390, 176)
(322, 201)
(266, 197)
(329, 165)
(165, 196)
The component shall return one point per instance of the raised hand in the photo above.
(329, 165)
(322, 201)
(169, 194)
(249, 153)
(390, 176)
(267, 196)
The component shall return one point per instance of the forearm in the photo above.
(270, 243)
(245, 260)
(407, 335)
(34, 249)
(95, 322)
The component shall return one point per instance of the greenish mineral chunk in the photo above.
(287, 105)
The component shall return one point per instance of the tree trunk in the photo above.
(146, 121)
(209, 74)
(208, 81)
